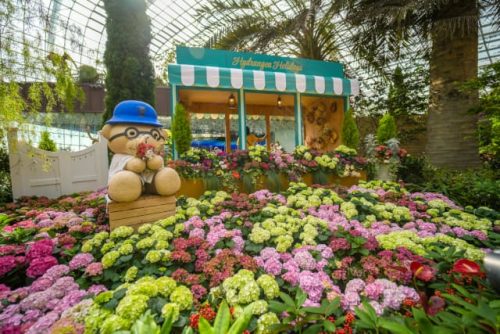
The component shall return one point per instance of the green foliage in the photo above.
(22, 60)
(5, 185)
(386, 129)
(129, 69)
(488, 84)
(87, 75)
(301, 319)
(350, 132)
(46, 143)
(475, 188)
(403, 93)
(181, 130)
(223, 321)
(306, 30)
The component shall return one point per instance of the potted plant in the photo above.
(388, 158)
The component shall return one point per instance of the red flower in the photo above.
(193, 321)
(421, 271)
(207, 312)
(467, 267)
(236, 175)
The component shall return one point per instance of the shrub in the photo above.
(477, 188)
(46, 143)
(386, 129)
(350, 132)
(181, 129)
(87, 74)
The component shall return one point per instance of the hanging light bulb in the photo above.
(279, 102)
(231, 101)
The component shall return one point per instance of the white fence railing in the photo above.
(36, 172)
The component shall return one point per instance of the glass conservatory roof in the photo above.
(78, 27)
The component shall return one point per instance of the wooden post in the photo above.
(268, 131)
(228, 131)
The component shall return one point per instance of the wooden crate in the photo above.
(147, 209)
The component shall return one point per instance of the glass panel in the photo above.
(283, 132)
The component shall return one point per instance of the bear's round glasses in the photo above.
(132, 132)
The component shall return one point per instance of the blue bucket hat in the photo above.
(135, 112)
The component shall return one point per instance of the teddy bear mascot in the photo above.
(137, 140)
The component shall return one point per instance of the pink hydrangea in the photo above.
(7, 264)
(40, 248)
(40, 265)
(94, 269)
(96, 289)
(80, 260)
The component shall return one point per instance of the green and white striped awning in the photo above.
(256, 80)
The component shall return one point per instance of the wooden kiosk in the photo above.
(240, 86)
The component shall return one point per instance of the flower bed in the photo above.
(256, 169)
(370, 258)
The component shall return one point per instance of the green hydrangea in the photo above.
(132, 306)
(248, 293)
(131, 274)
(162, 235)
(259, 307)
(121, 232)
(107, 247)
(183, 297)
(115, 323)
(167, 221)
(171, 308)
(103, 297)
(165, 285)
(101, 236)
(146, 287)
(95, 318)
(161, 244)
(87, 246)
(144, 243)
(109, 259)
(269, 286)
(153, 256)
(259, 235)
(143, 229)
(265, 322)
(126, 249)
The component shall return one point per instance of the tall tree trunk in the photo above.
(451, 130)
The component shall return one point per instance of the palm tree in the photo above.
(303, 28)
(447, 32)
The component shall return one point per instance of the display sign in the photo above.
(253, 61)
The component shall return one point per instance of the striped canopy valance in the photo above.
(233, 78)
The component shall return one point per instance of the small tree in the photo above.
(181, 129)
(386, 129)
(46, 143)
(350, 132)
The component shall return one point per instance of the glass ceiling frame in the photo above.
(78, 28)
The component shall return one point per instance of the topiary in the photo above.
(181, 129)
(46, 143)
(350, 132)
(386, 128)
